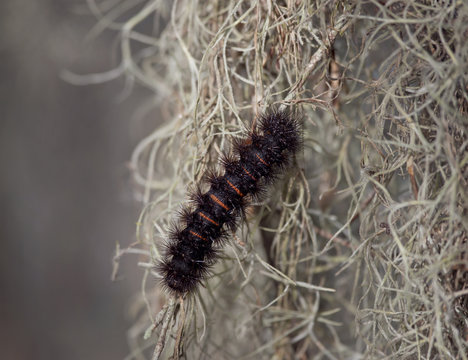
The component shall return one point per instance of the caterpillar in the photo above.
(195, 240)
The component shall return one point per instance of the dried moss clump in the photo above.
(361, 250)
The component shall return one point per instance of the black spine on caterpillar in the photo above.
(254, 163)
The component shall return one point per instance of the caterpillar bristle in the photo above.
(228, 159)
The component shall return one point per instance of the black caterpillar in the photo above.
(255, 162)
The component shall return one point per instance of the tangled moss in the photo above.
(361, 250)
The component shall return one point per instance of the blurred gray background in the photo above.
(66, 195)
